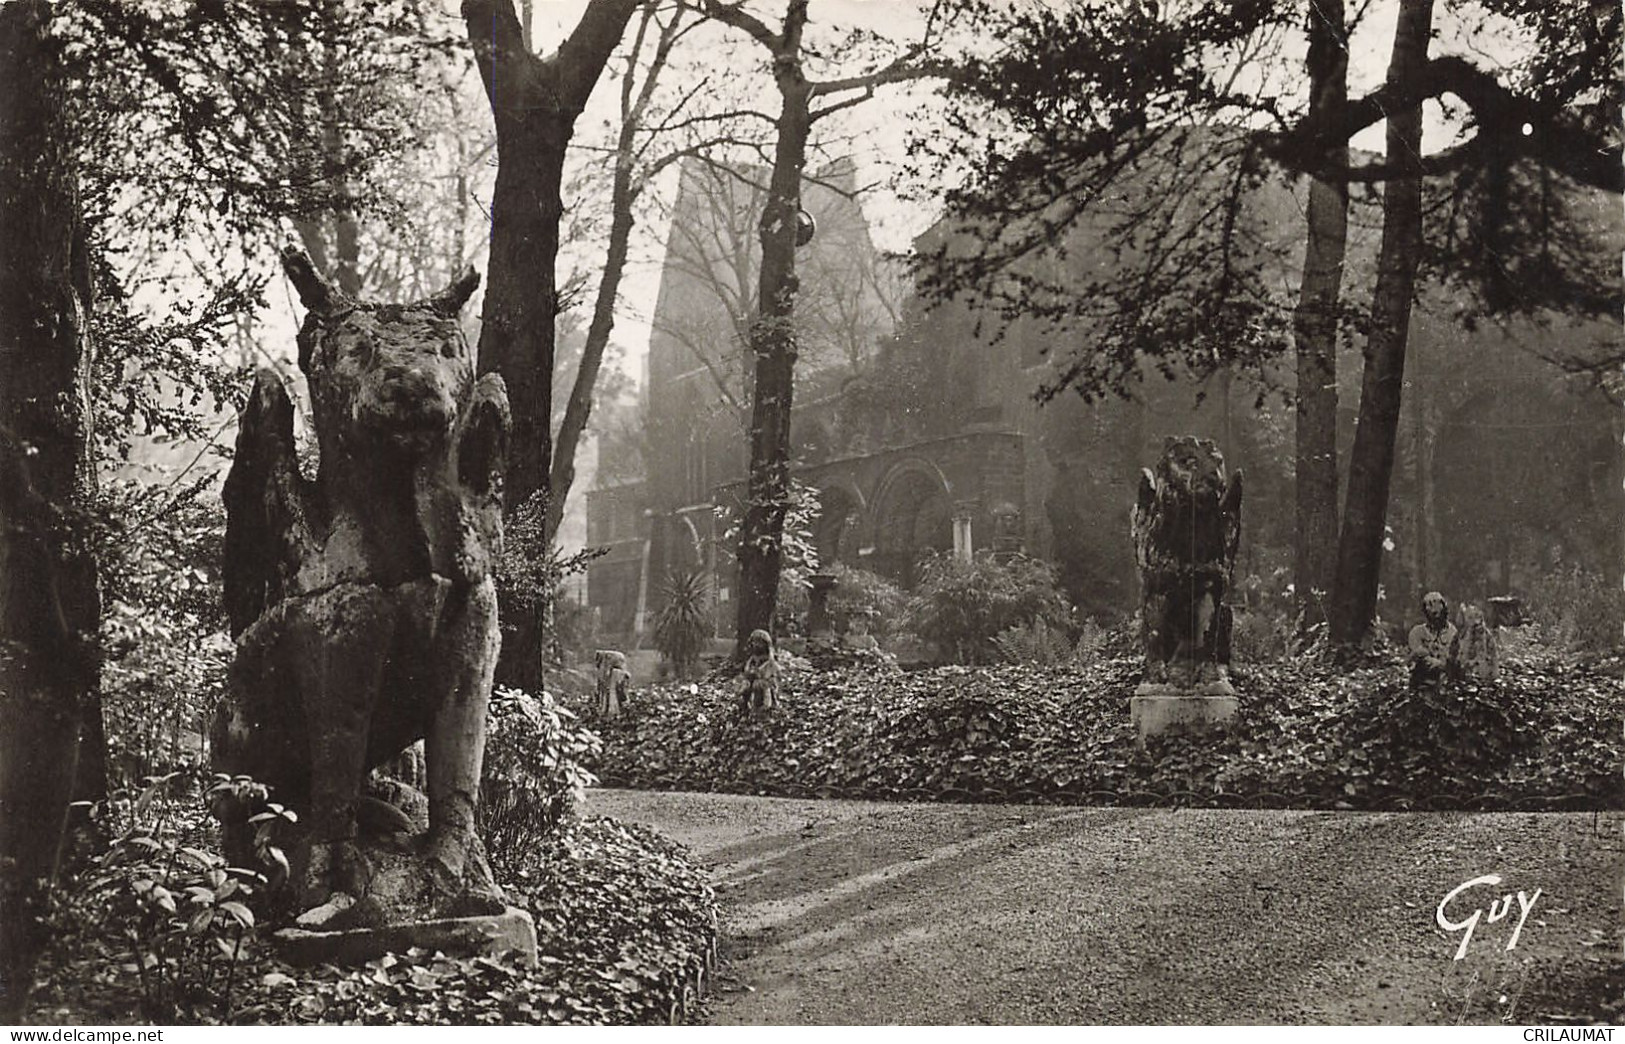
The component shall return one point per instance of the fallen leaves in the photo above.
(1546, 735)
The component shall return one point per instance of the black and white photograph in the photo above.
(789, 513)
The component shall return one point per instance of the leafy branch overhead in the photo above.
(1125, 137)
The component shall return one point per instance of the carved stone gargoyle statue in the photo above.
(363, 602)
(1186, 528)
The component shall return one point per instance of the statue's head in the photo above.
(759, 644)
(1193, 464)
(1435, 610)
(382, 375)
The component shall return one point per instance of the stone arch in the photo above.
(912, 513)
(840, 517)
(682, 549)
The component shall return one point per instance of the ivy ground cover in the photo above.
(1545, 735)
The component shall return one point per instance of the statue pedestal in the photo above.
(1157, 709)
(486, 935)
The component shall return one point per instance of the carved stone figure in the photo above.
(1186, 528)
(362, 600)
(1474, 652)
(760, 678)
(1430, 643)
(613, 682)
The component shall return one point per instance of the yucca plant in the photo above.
(684, 621)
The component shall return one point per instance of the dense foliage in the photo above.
(861, 594)
(626, 928)
(684, 620)
(962, 607)
(1580, 610)
(157, 927)
(1547, 734)
(532, 780)
(163, 630)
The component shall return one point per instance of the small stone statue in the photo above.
(1473, 652)
(1186, 529)
(1430, 644)
(362, 600)
(614, 682)
(760, 680)
(857, 635)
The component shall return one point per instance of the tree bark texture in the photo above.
(1315, 329)
(534, 105)
(773, 342)
(49, 600)
(1371, 461)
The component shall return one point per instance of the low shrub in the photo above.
(1578, 610)
(962, 607)
(1262, 635)
(684, 621)
(163, 631)
(532, 780)
(157, 923)
(627, 930)
(860, 593)
(1035, 644)
(1306, 736)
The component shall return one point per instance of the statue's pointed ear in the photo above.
(314, 291)
(450, 301)
(1231, 501)
(1146, 495)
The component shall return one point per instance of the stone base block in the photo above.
(487, 935)
(1159, 709)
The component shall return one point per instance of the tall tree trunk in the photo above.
(534, 105)
(773, 342)
(579, 409)
(49, 602)
(1371, 462)
(521, 291)
(1315, 329)
(623, 196)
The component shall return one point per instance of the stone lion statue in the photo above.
(362, 600)
(1186, 529)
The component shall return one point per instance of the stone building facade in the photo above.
(918, 427)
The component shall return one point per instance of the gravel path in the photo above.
(839, 912)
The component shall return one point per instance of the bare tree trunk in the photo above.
(49, 602)
(623, 197)
(579, 409)
(534, 104)
(772, 340)
(1371, 462)
(1315, 329)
